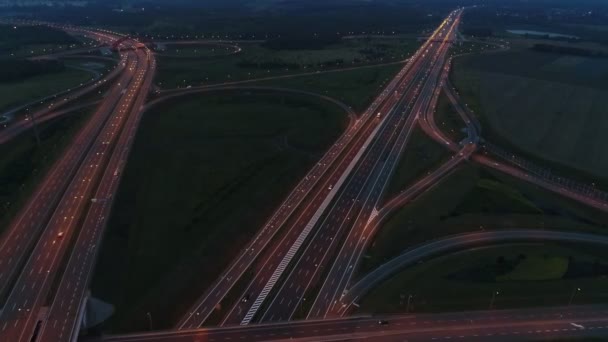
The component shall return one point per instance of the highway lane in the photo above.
(63, 319)
(206, 304)
(483, 325)
(25, 227)
(309, 270)
(267, 274)
(452, 244)
(20, 316)
(339, 277)
(527, 176)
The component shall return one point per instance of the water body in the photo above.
(541, 33)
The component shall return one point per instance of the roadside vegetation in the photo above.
(475, 199)
(421, 156)
(24, 41)
(22, 91)
(544, 105)
(195, 51)
(356, 88)
(205, 173)
(448, 120)
(499, 277)
(256, 61)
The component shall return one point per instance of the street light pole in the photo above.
(35, 128)
(149, 315)
(494, 294)
(574, 292)
(407, 306)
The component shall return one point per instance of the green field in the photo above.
(357, 88)
(448, 119)
(22, 41)
(256, 61)
(422, 154)
(204, 175)
(474, 199)
(13, 94)
(23, 164)
(195, 50)
(519, 275)
(546, 105)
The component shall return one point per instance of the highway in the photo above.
(356, 205)
(63, 318)
(495, 325)
(25, 227)
(85, 163)
(274, 262)
(346, 150)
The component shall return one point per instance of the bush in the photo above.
(13, 69)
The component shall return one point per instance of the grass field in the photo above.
(13, 94)
(547, 105)
(448, 120)
(466, 280)
(357, 88)
(204, 175)
(256, 61)
(474, 199)
(195, 51)
(22, 163)
(422, 154)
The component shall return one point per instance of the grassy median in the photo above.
(204, 175)
(476, 199)
(500, 277)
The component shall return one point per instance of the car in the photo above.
(246, 298)
(382, 322)
(60, 234)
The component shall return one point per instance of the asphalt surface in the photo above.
(377, 147)
(308, 272)
(60, 220)
(25, 228)
(496, 325)
(333, 164)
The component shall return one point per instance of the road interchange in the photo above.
(362, 160)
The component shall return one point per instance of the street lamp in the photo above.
(149, 315)
(574, 292)
(494, 294)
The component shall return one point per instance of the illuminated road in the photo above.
(21, 317)
(337, 162)
(26, 226)
(64, 315)
(355, 206)
(275, 259)
(496, 325)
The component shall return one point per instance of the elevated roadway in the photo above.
(496, 325)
